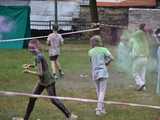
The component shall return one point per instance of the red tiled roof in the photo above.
(127, 3)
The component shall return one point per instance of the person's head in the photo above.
(142, 26)
(34, 46)
(55, 28)
(157, 32)
(96, 41)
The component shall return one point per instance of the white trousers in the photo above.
(101, 86)
(139, 70)
(158, 77)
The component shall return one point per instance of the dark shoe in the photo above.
(55, 77)
(141, 88)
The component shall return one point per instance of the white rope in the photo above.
(5, 93)
(29, 38)
(114, 26)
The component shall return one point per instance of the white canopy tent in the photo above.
(44, 11)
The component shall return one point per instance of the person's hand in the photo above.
(107, 63)
(26, 71)
(27, 66)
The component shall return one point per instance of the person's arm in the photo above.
(48, 41)
(31, 72)
(156, 39)
(28, 66)
(39, 71)
(108, 58)
(61, 40)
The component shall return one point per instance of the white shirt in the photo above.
(55, 40)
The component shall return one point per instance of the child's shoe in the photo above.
(17, 118)
(72, 117)
(103, 111)
(55, 77)
(98, 112)
(61, 74)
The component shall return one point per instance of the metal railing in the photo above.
(63, 25)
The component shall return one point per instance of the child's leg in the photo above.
(158, 80)
(143, 75)
(53, 65)
(52, 92)
(158, 76)
(102, 91)
(38, 90)
(58, 65)
(142, 72)
(97, 87)
(59, 68)
(158, 85)
(137, 72)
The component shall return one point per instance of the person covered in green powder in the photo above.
(123, 52)
(46, 81)
(157, 37)
(140, 53)
(100, 57)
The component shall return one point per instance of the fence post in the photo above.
(50, 25)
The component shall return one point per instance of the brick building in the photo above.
(129, 12)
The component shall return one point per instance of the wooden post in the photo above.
(93, 11)
(56, 13)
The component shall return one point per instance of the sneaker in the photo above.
(144, 88)
(98, 112)
(17, 118)
(141, 88)
(103, 111)
(72, 117)
(55, 77)
(61, 74)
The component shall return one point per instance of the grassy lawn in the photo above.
(75, 61)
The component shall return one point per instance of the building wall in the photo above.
(108, 16)
(149, 16)
(127, 3)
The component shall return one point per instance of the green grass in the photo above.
(75, 61)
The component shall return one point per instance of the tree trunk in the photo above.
(93, 11)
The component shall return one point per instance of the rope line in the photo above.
(8, 93)
(29, 38)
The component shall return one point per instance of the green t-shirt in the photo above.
(139, 44)
(98, 57)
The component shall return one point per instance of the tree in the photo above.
(93, 11)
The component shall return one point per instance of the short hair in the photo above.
(96, 41)
(157, 31)
(35, 43)
(55, 27)
(142, 26)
